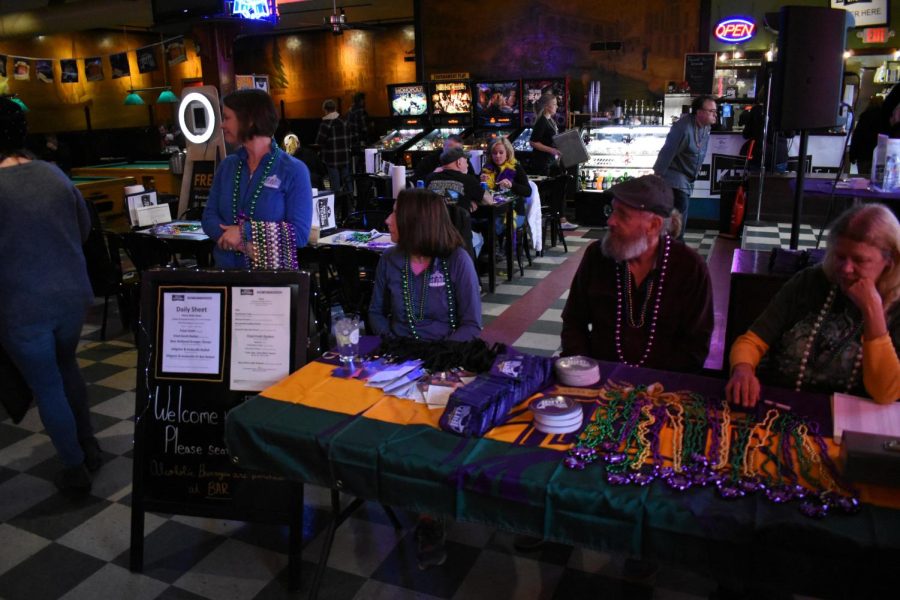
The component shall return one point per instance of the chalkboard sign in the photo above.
(207, 341)
(699, 70)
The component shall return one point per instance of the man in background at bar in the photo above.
(682, 155)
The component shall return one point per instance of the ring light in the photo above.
(210, 118)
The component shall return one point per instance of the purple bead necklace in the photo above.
(621, 301)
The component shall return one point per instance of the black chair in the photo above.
(366, 220)
(193, 213)
(130, 281)
(553, 201)
(104, 273)
(355, 277)
(147, 251)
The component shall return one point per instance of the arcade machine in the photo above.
(409, 113)
(451, 113)
(532, 90)
(498, 112)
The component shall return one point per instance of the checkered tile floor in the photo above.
(52, 546)
(766, 236)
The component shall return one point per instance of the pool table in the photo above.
(106, 193)
(151, 174)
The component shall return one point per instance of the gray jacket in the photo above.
(682, 155)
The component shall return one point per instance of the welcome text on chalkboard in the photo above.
(183, 394)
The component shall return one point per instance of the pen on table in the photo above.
(777, 404)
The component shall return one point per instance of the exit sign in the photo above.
(875, 35)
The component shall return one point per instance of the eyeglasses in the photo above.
(710, 110)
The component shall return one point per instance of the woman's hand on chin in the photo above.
(864, 294)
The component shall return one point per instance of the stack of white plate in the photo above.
(556, 414)
(577, 371)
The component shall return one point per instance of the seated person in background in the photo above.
(457, 185)
(503, 173)
(835, 326)
(431, 162)
(313, 162)
(426, 286)
(640, 297)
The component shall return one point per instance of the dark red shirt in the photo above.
(685, 322)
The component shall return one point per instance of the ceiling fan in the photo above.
(334, 20)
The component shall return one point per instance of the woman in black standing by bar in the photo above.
(545, 154)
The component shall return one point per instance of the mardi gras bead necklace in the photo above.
(409, 312)
(629, 302)
(236, 185)
(857, 362)
(274, 242)
(653, 318)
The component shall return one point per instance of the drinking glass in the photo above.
(346, 332)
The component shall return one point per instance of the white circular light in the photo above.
(210, 118)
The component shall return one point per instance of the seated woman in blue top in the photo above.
(425, 287)
(258, 183)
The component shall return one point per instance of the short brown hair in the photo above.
(423, 224)
(255, 113)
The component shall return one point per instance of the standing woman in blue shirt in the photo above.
(258, 183)
(426, 286)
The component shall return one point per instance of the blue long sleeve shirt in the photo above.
(286, 196)
(387, 314)
(682, 155)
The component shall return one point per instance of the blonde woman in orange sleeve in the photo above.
(833, 327)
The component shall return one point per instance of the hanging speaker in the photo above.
(809, 71)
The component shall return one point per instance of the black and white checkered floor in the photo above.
(53, 547)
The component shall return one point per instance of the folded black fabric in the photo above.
(474, 355)
(487, 401)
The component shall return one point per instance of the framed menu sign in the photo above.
(699, 69)
(208, 340)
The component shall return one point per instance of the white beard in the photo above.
(622, 250)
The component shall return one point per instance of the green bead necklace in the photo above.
(236, 187)
(411, 317)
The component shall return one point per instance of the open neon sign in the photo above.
(735, 30)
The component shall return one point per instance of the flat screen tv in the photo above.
(407, 99)
(498, 103)
(451, 98)
(532, 89)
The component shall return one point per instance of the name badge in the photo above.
(272, 181)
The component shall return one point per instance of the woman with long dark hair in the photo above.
(426, 286)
